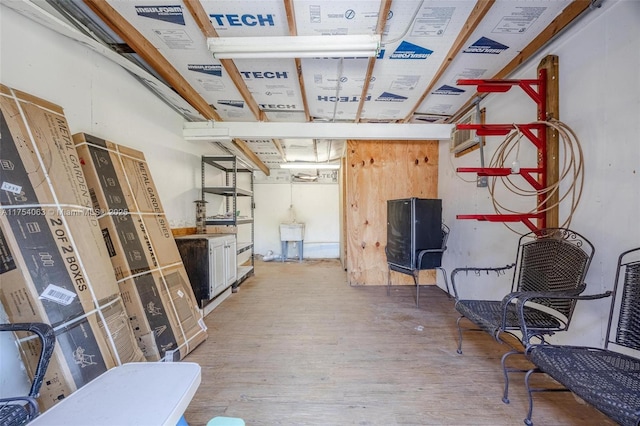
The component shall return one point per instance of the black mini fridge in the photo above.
(414, 224)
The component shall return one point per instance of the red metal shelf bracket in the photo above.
(535, 132)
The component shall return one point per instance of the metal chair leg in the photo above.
(459, 335)
(505, 370)
(528, 421)
(416, 280)
(446, 280)
(388, 281)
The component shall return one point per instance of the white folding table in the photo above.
(136, 394)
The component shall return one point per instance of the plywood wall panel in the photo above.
(378, 171)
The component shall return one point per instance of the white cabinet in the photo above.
(210, 262)
(223, 260)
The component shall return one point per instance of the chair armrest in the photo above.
(529, 295)
(524, 297)
(421, 254)
(31, 403)
(498, 270)
(48, 339)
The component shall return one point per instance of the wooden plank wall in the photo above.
(378, 171)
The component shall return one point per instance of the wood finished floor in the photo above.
(298, 346)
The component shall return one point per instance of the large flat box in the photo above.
(146, 261)
(161, 311)
(53, 263)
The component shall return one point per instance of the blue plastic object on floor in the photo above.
(182, 422)
(225, 421)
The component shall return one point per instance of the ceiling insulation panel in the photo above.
(171, 29)
(507, 28)
(417, 40)
(243, 18)
(273, 83)
(414, 47)
(266, 151)
(334, 86)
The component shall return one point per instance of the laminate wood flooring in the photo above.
(296, 345)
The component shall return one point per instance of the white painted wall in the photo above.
(600, 100)
(314, 204)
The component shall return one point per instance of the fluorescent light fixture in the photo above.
(204, 132)
(332, 46)
(299, 165)
(318, 130)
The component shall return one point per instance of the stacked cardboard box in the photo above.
(54, 266)
(145, 258)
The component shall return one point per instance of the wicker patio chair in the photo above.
(19, 410)
(603, 377)
(425, 260)
(552, 260)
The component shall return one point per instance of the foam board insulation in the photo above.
(334, 85)
(413, 49)
(274, 85)
(266, 151)
(42, 14)
(171, 29)
(506, 29)
(416, 40)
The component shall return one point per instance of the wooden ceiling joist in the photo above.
(202, 19)
(385, 7)
(293, 31)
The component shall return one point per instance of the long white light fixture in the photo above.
(205, 132)
(299, 165)
(213, 130)
(332, 46)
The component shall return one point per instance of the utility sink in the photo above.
(291, 231)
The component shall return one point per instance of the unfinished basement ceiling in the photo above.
(426, 47)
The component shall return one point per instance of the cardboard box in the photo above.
(53, 265)
(161, 313)
(143, 252)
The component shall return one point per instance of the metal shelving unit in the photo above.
(231, 166)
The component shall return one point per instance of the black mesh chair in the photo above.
(603, 377)
(425, 260)
(552, 260)
(20, 410)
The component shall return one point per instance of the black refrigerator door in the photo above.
(413, 224)
(399, 229)
(428, 231)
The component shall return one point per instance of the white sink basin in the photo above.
(291, 231)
